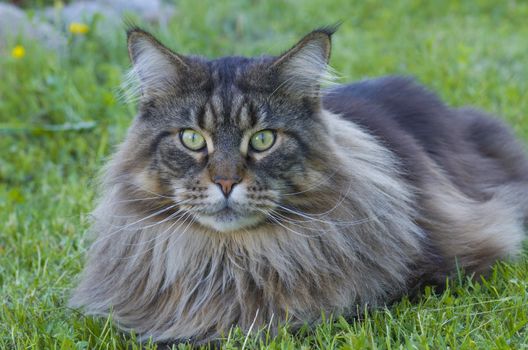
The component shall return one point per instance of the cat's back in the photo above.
(475, 150)
(394, 108)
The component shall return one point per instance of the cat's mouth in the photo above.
(228, 219)
(226, 214)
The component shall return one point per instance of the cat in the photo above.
(245, 194)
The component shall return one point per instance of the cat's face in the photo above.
(232, 139)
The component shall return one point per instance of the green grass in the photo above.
(60, 118)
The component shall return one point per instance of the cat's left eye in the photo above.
(262, 140)
(192, 139)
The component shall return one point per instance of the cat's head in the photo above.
(227, 141)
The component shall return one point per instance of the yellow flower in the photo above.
(78, 28)
(18, 51)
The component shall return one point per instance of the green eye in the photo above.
(192, 139)
(262, 140)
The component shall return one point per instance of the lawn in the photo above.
(61, 116)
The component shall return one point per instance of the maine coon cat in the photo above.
(246, 194)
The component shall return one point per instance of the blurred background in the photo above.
(62, 63)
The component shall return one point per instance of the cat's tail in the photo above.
(498, 146)
(516, 195)
(474, 233)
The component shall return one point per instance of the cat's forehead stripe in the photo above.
(216, 109)
(199, 116)
(208, 121)
(244, 120)
(238, 104)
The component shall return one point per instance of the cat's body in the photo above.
(366, 192)
(466, 168)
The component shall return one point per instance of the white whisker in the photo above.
(313, 186)
(157, 236)
(276, 220)
(106, 237)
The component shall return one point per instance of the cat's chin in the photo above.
(228, 220)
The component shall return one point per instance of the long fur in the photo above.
(367, 224)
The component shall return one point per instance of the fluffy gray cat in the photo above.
(244, 194)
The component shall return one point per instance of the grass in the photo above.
(60, 119)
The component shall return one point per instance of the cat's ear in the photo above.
(303, 68)
(156, 70)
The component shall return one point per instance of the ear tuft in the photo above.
(304, 67)
(329, 29)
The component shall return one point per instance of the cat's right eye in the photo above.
(262, 140)
(192, 139)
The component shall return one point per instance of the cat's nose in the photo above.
(226, 184)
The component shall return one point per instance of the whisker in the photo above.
(272, 217)
(152, 239)
(306, 216)
(159, 195)
(328, 222)
(161, 205)
(315, 185)
(176, 215)
(133, 223)
(193, 219)
(338, 203)
(135, 200)
(157, 236)
(291, 220)
(141, 188)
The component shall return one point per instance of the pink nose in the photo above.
(225, 184)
